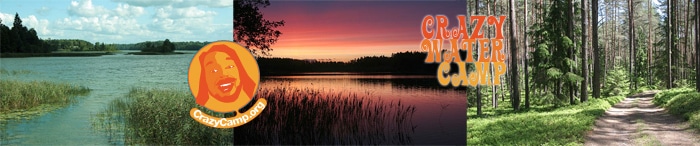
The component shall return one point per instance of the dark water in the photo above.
(439, 116)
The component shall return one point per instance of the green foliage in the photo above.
(155, 116)
(560, 126)
(20, 39)
(164, 47)
(616, 82)
(67, 45)
(191, 45)
(20, 95)
(662, 98)
(551, 62)
(684, 104)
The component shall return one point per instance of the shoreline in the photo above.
(59, 54)
(154, 53)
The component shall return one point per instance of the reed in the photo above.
(309, 116)
(24, 95)
(293, 116)
(157, 116)
(13, 72)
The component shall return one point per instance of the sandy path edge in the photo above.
(637, 121)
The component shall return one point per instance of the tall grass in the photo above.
(554, 126)
(308, 116)
(20, 95)
(292, 116)
(13, 72)
(157, 116)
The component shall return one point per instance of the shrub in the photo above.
(616, 82)
(662, 98)
(684, 104)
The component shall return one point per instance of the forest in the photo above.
(582, 55)
(189, 45)
(397, 63)
(559, 50)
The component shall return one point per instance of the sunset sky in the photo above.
(344, 30)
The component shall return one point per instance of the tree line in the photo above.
(189, 45)
(19, 39)
(397, 63)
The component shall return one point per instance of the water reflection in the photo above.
(311, 116)
(436, 114)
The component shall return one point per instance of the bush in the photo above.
(662, 98)
(616, 82)
(684, 104)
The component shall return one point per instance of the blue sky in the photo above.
(124, 21)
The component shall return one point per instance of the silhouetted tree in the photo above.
(251, 30)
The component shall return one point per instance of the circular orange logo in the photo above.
(223, 76)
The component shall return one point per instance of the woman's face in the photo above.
(221, 73)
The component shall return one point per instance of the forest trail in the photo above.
(637, 121)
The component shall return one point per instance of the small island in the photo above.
(151, 48)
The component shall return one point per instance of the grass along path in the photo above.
(636, 121)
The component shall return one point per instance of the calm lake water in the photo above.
(439, 117)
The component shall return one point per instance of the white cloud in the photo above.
(7, 19)
(126, 10)
(86, 9)
(183, 20)
(179, 3)
(113, 25)
(43, 10)
(40, 25)
(99, 21)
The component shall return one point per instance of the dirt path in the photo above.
(637, 121)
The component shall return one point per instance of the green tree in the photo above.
(251, 30)
(16, 36)
(5, 40)
(168, 46)
(552, 60)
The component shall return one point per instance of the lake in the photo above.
(439, 116)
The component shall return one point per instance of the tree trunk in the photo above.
(515, 91)
(649, 44)
(584, 51)
(697, 47)
(570, 34)
(494, 97)
(670, 43)
(525, 63)
(633, 50)
(596, 51)
(478, 89)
